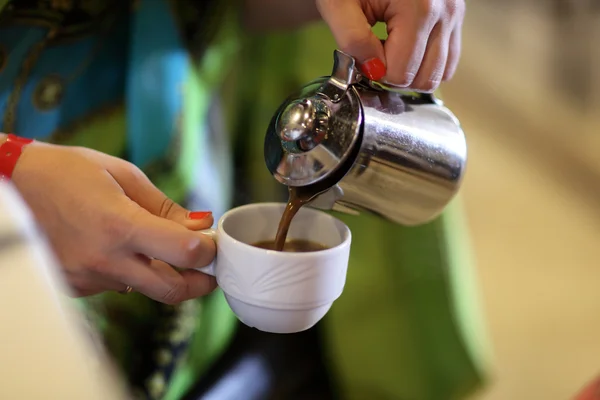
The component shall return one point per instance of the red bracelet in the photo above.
(10, 151)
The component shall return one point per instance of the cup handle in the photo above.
(210, 268)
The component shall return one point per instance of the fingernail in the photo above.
(374, 69)
(199, 214)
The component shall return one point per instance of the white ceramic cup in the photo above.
(279, 292)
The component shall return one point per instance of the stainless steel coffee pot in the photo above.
(359, 145)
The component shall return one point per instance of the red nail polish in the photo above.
(374, 69)
(199, 214)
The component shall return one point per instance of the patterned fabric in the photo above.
(76, 72)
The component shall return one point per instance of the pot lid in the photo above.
(315, 129)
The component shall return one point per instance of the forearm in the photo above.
(271, 15)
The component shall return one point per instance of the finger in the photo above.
(405, 46)
(352, 31)
(138, 187)
(90, 284)
(434, 62)
(168, 241)
(161, 282)
(454, 51)
(92, 291)
(198, 220)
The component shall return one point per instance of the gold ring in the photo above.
(127, 290)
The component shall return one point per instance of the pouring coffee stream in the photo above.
(291, 209)
(297, 198)
(347, 144)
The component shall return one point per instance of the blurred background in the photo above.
(528, 94)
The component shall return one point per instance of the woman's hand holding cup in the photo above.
(111, 228)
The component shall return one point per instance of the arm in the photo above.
(271, 15)
(109, 226)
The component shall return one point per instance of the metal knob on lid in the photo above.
(297, 120)
(314, 130)
(304, 121)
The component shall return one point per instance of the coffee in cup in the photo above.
(291, 246)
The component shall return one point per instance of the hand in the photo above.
(110, 227)
(423, 44)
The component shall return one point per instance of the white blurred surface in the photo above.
(46, 352)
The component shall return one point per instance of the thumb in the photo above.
(142, 191)
(353, 34)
